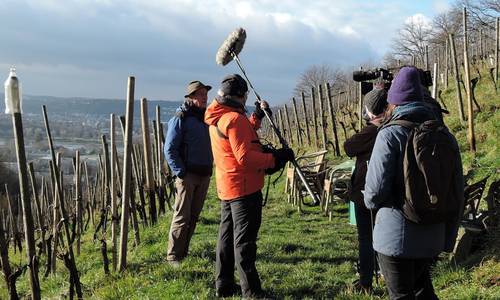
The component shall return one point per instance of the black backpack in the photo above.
(429, 170)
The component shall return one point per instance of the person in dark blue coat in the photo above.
(405, 249)
(189, 155)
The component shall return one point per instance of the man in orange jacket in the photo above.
(240, 167)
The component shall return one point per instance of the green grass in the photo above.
(300, 255)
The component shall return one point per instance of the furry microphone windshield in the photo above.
(231, 46)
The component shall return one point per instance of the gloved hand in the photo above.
(281, 157)
(284, 154)
(259, 109)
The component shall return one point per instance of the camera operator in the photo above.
(360, 146)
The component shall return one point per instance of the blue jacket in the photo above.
(393, 235)
(187, 146)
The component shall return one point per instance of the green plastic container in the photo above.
(352, 214)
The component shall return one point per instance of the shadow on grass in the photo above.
(208, 221)
(302, 258)
(289, 248)
(145, 264)
(316, 291)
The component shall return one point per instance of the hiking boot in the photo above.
(228, 291)
(361, 288)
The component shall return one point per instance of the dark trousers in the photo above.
(407, 278)
(365, 242)
(236, 244)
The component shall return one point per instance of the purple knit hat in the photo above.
(405, 87)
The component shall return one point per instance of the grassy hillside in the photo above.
(299, 255)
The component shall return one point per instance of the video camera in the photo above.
(385, 77)
(383, 74)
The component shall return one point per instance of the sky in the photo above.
(77, 48)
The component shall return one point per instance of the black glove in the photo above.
(259, 113)
(281, 157)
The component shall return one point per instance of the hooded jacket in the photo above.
(393, 234)
(238, 156)
(187, 144)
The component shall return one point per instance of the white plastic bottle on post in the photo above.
(13, 95)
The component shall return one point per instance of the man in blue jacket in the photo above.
(189, 155)
(405, 249)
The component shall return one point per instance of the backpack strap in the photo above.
(219, 132)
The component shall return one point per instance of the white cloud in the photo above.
(441, 5)
(166, 43)
(419, 19)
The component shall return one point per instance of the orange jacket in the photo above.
(239, 160)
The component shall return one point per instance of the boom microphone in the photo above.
(231, 47)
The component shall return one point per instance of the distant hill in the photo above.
(88, 106)
(97, 107)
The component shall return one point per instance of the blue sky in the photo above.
(89, 48)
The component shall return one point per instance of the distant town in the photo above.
(76, 124)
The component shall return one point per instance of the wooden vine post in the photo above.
(146, 143)
(435, 81)
(106, 201)
(138, 181)
(127, 173)
(113, 186)
(55, 219)
(446, 63)
(306, 121)
(456, 74)
(322, 116)
(79, 206)
(297, 124)
(332, 118)
(34, 189)
(281, 125)
(13, 106)
(470, 117)
(159, 159)
(135, 176)
(287, 119)
(427, 57)
(315, 121)
(497, 48)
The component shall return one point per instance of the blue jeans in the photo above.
(366, 253)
